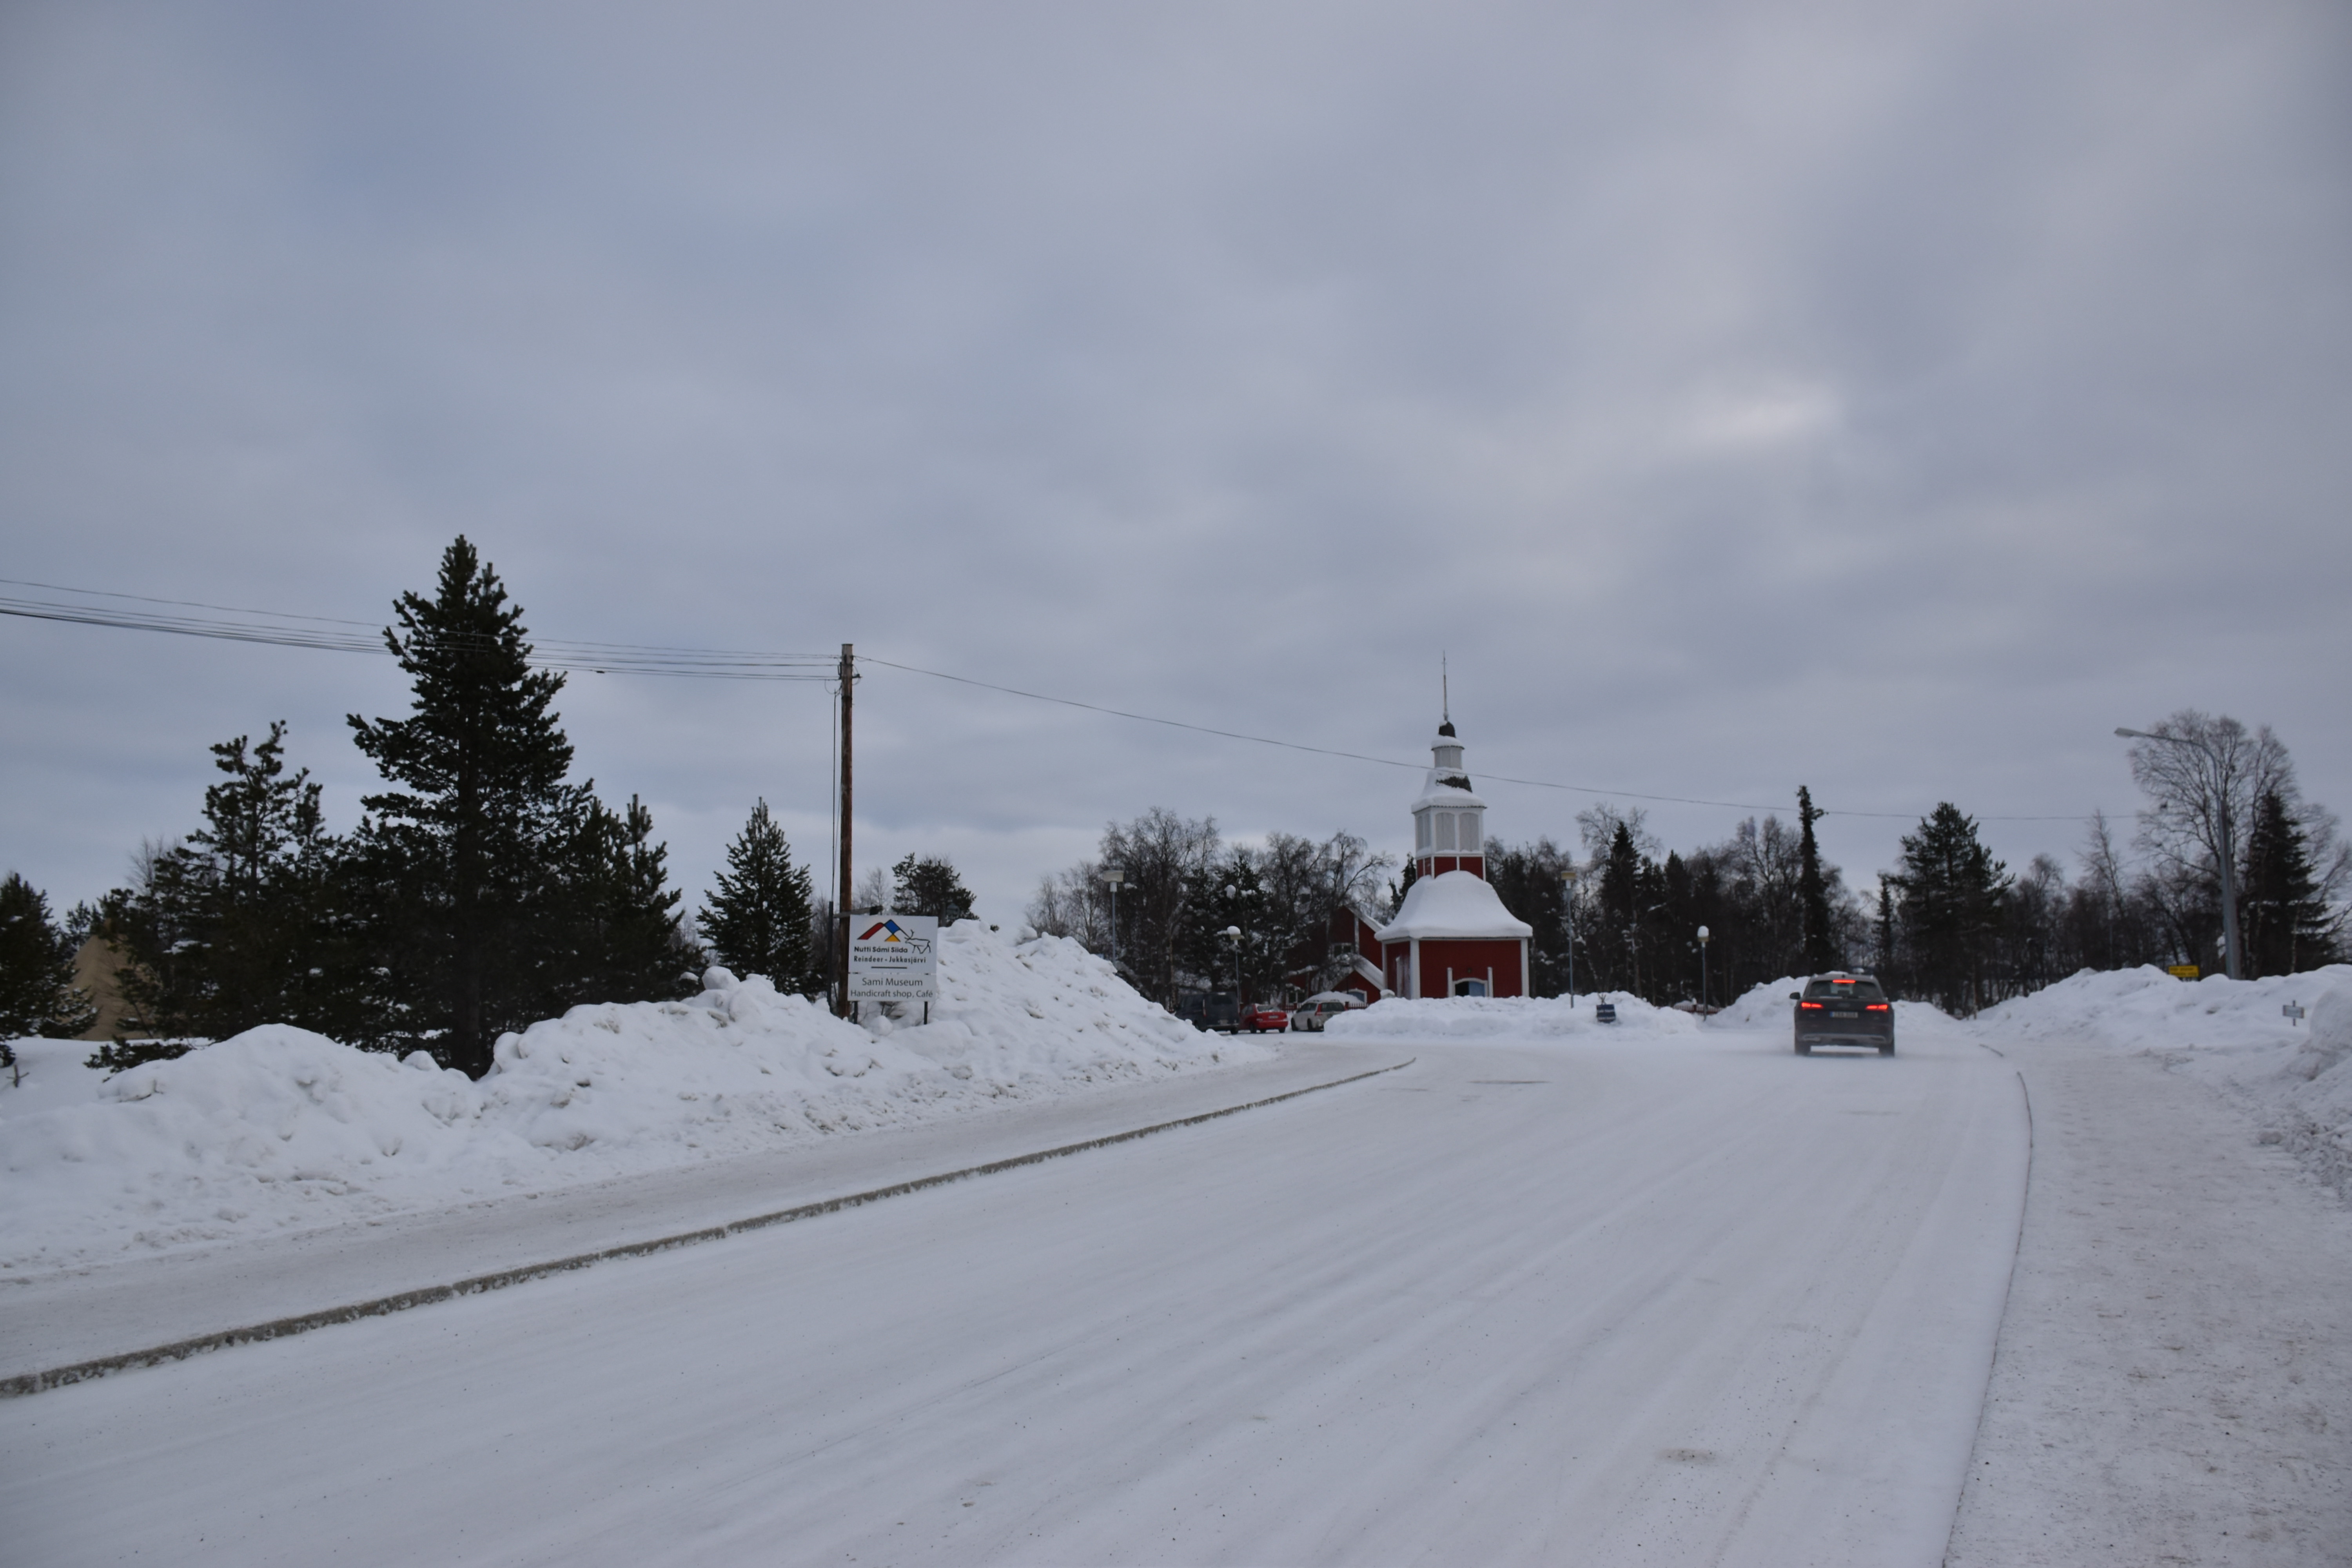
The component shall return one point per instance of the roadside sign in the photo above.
(893, 958)
(2182, 971)
(2293, 1013)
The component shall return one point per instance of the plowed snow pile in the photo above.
(2295, 1077)
(280, 1127)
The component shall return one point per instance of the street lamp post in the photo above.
(1567, 902)
(1702, 974)
(2229, 849)
(1112, 879)
(1234, 934)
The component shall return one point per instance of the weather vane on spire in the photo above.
(1444, 690)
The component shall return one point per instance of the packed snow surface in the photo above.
(280, 1127)
(1603, 1298)
(2295, 1075)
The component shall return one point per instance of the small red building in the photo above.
(1452, 936)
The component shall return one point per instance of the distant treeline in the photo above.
(1949, 923)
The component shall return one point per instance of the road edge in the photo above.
(24, 1384)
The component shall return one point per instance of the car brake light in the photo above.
(1809, 1007)
(1874, 1007)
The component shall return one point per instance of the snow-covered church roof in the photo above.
(1455, 904)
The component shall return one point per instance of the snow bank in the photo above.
(2231, 1033)
(1532, 1018)
(280, 1127)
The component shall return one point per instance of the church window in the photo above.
(1444, 829)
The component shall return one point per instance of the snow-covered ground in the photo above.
(1658, 1291)
(1658, 1295)
(281, 1129)
(2294, 1077)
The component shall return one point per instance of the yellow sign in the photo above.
(2182, 971)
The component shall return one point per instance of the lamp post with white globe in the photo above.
(1702, 974)
(1568, 903)
(1112, 879)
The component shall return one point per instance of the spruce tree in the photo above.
(618, 935)
(1820, 954)
(760, 919)
(243, 900)
(37, 995)
(2285, 919)
(1614, 947)
(464, 861)
(231, 929)
(1952, 891)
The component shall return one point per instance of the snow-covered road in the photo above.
(1669, 1300)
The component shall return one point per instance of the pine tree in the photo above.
(230, 930)
(1614, 947)
(929, 885)
(1234, 895)
(37, 995)
(760, 919)
(1952, 893)
(620, 931)
(465, 861)
(1528, 878)
(2285, 919)
(1820, 954)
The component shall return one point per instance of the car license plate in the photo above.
(1845, 1014)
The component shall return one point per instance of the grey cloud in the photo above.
(1227, 363)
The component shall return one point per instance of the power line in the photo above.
(718, 664)
(269, 628)
(1391, 762)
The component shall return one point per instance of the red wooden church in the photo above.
(1452, 936)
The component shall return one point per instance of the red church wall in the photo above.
(1468, 960)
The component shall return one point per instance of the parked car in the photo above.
(1842, 1009)
(1259, 1018)
(1311, 1016)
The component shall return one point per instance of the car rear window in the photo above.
(1854, 990)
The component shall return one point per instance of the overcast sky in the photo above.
(1892, 399)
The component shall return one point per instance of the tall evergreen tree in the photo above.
(234, 927)
(37, 995)
(1528, 877)
(929, 885)
(2285, 921)
(1232, 895)
(620, 930)
(1615, 947)
(464, 856)
(1820, 952)
(1951, 896)
(760, 918)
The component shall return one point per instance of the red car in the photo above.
(1257, 1018)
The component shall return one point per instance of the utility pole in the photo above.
(841, 949)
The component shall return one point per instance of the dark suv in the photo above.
(1842, 1009)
